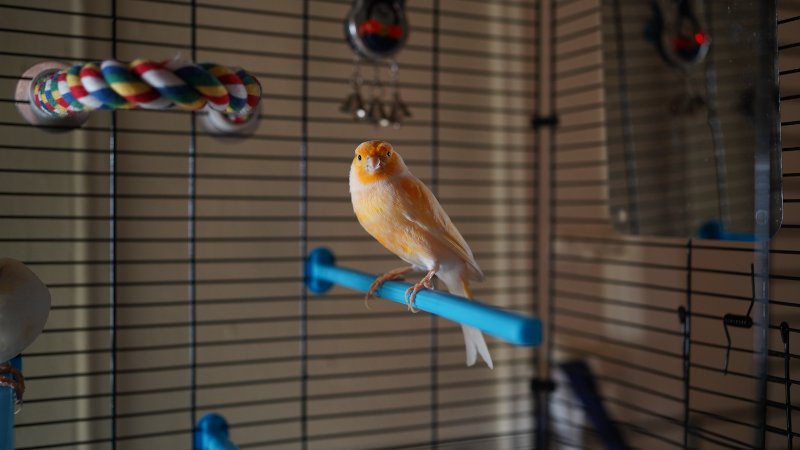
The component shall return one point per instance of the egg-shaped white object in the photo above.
(24, 307)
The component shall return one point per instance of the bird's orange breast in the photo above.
(378, 212)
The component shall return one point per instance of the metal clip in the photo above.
(738, 320)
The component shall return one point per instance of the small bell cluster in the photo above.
(375, 111)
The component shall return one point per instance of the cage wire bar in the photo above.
(175, 260)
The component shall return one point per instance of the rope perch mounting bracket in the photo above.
(23, 98)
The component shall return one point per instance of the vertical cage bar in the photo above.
(544, 432)
(192, 238)
(303, 233)
(112, 246)
(686, 325)
(629, 148)
(536, 404)
(787, 379)
(434, 322)
(715, 127)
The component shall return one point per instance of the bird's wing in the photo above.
(421, 207)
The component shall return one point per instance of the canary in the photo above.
(401, 213)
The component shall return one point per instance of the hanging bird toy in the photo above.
(683, 42)
(376, 30)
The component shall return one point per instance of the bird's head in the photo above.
(375, 161)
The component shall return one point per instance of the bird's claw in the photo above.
(396, 274)
(369, 296)
(411, 293)
(373, 288)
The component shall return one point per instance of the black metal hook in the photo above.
(738, 320)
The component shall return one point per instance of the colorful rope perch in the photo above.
(147, 84)
(60, 92)
(321, 273)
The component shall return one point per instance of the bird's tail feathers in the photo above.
(476, 345)
(473, 338)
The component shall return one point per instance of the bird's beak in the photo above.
(373, 164)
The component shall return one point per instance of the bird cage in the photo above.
(175, 242)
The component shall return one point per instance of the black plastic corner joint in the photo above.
(544, 121)
(784, 332)
(542, 385)
(682, 314)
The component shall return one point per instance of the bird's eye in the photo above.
(388, 154)
(359, 157)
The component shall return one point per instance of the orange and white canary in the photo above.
(398, 210)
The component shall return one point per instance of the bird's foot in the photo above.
(411, 293)
(395, 274)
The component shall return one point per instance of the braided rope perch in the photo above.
(150, 85)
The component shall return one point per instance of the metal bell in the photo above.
(354, 105)
(377, 114)
(347, 104)
(399, 112)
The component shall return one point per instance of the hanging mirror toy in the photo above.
(678, 34)
(683, 43)
(376, 30)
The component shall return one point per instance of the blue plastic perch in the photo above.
(8, 399)
(212, 434)
(714, 229)
(322, 273)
